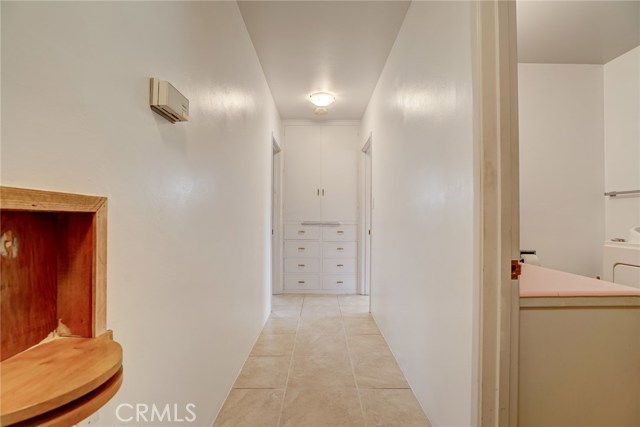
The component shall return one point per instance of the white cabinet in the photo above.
(303, 232)
(308, 269)
(339, 233)
(339, 192)
(302, 173)
(320, 187)
(320, 173)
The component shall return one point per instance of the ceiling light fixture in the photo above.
(321, 99)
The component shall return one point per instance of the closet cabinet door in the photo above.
(302, 173)
(339, 173)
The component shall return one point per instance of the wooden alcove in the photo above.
(58, 362)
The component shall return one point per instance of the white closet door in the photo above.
(302, 173)
(339, 173)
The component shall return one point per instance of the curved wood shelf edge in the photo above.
(60, 376)
(78, 410)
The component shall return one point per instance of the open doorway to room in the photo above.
(276, 218)
(579, 136)
(367, 208)
(579, 103)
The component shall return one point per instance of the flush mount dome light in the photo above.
(321, 99)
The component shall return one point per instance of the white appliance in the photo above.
(621, 260)
(167, 101)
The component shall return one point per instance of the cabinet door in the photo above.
(339, 173)
(302, 173)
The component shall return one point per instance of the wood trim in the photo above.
(100, 272)
(496, 94)
(12, 198)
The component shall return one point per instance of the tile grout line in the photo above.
(353, 369)
(293, 349)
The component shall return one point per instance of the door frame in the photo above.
(276, 217)
(496, 132)
(366, 215)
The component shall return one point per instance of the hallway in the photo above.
(321, 362)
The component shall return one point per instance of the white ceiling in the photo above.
(576, 32)
(336, 46)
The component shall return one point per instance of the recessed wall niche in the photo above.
(59, 362)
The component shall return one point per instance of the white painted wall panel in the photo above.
(562, 165)
(189, 222)
(622, 141)
(422, 290)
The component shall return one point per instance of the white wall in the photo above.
(622, 141)
(561, 165)
(422, 289)
(188, 266)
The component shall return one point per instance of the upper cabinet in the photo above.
(320, 173)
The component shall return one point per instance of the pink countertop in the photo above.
(538, 281)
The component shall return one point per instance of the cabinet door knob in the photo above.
(340, 232)
(339, 282)
(301, 282)
(302, 249)
(318, 192)
(340, 265)
(300, 265)
(340, 249)
(323, 191)
(301, 232)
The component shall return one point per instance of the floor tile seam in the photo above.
(257, 388)
(293, 350)
(353, 370)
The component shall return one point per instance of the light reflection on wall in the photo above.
(232, 103)
(435, 102)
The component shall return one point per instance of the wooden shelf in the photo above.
(65, 379)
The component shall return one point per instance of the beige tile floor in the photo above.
(321, 362)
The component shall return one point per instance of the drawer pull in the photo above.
(301, 282)
(302, 249)
(340, 265)
(340, 232)
(301, 232)
(339, 282)
(301, 265)
(340, 249)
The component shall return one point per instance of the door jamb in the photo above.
(496, 89)
(366, 238)
(276, 217)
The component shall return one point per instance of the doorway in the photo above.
(276, 218)
(368, 207)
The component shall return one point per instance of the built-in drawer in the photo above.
(297, 231)
(339, 233)
(301, 265)
(301, 249)
(347, 283)
(301, 281)
(338, 266)
(339, 249)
